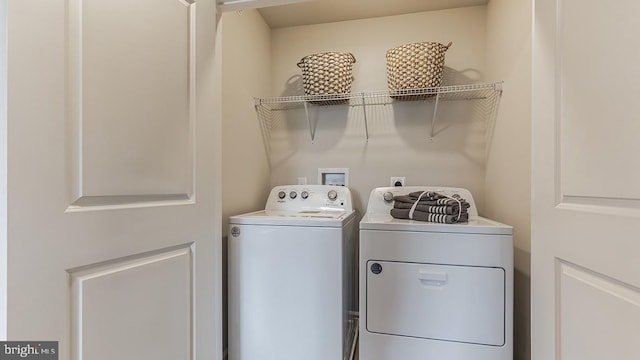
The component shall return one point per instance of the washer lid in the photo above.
(328, 218)
(477, 225)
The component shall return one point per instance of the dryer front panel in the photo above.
(434, 301)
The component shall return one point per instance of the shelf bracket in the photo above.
(364, 112)
(435, 113)
(306, 111)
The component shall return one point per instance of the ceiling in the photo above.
(326, 11)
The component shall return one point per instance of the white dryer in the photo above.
(293, 276)
(434, 291)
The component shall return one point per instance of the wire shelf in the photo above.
(453, 92)
(486, 96)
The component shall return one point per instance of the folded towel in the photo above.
(429, 217)
(436, 209)
(431, 195)
(429, 198)
(430, 206)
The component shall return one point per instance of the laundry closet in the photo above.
(479, 144)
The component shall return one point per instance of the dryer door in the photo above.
(440, 302)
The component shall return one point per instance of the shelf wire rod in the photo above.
(435, 113)
(265, 118)
(364, 113)
(492, 118)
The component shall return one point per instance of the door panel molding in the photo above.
(111, 296)
(604, 206)
(590, 111)
(571, 193)
(130, 133)
(94, 203)
(598, 315)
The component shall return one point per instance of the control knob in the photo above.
(332, 195)
(293, 194)
(282, 195)
(388, 196)
(304, 194)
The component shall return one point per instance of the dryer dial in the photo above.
(304, 194)
(282, 195)
(332, 194)
(293, 194)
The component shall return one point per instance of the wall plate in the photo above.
(333, 176)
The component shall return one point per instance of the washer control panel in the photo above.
(309, 198)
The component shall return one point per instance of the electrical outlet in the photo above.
(397, 181)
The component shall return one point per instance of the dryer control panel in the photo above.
(309, 198)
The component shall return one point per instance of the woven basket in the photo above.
(415, 66)
(326, 74)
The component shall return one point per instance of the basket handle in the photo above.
(299, 64)
(448, 45)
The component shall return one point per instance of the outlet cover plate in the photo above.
(397, 179)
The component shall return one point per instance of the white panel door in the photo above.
(112, 235)
(586, 180)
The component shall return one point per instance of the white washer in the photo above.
(434, 291)
(293, 276)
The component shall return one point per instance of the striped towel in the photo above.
(429, 217)
(430, 206)
(436, 209)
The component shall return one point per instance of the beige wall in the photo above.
(246, 64)
(508, 172)
(246, 72)
(399, 143)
